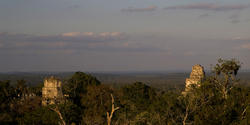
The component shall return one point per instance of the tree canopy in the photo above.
(218, 99)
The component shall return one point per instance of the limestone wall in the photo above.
(52, 91)
(196, 76)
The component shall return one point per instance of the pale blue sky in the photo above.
(122, 35)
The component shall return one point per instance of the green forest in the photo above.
(219, 99)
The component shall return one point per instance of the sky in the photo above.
(122, 35)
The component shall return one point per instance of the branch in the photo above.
(243, 113)
(59, 114)
(109, 116)
(186, 115)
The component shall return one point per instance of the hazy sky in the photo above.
(122, 35)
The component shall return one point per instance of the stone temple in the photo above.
(196, 76)
(52, 91)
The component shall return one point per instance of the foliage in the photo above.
(225, 72)
(70, 112)
(169, 106)
(217, 100)
(40, 116)
(7, 94)
(139, 94)
(96, 103)
(77, 84)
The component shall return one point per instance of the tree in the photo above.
(225, 75)
(167, 109)
(202, 103)
(21, 89)
(37, 89)
(110, 115)
(96, 102)
(56, 110)
(136, 98)
(70, 112)
(40, 116)
(7, 94)
(217, 100)
(77, 85)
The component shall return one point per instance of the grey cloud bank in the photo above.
(194, 6)
(209, 6)
(112, 51)
(77, 41)
(10, 40)
(120, 35)
(147, 9)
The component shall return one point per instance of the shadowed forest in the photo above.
(222, 98)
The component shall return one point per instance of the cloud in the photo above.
(147, 9)
(245, 46)
(64, 40)
(93, 37)
(237, 38)
(204, 15)
(189, 53)
(235, 18)
(75, 34)
(241, 43)
(56, 44)
(240, 39)
(75, 6)
(77, 41)
(235, 21)
(209, 6)
(126, 46)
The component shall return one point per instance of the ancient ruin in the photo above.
(52, 91)
(196, 76)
